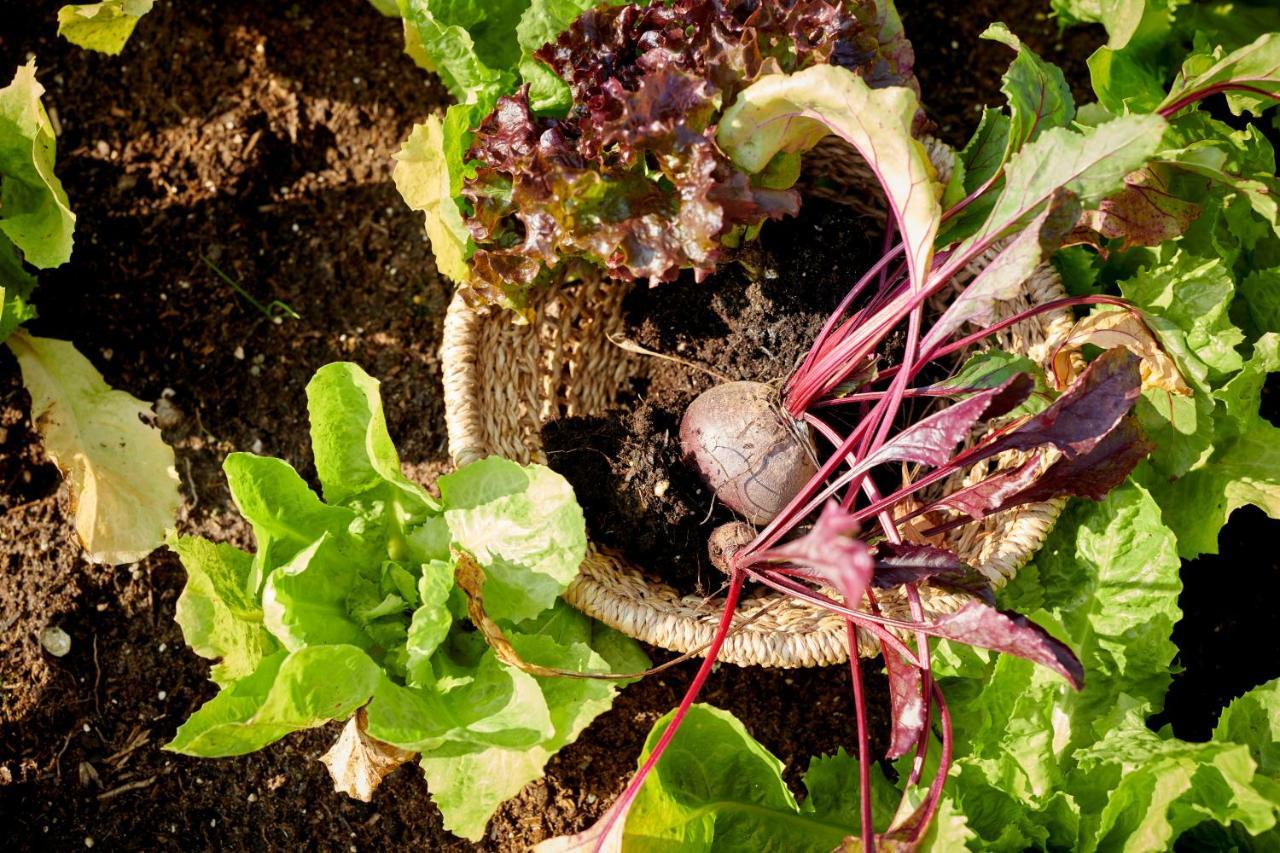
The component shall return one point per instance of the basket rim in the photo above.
(768, 629)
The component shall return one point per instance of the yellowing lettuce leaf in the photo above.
(105, 26)
(123, 483)
(423, 178)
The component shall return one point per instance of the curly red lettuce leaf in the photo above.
(631, 181)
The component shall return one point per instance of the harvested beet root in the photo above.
(752, 455)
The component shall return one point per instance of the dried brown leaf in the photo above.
(1119, 329)
(358, 763)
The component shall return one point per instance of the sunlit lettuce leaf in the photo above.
(286, 515)
(287, 692)
(105, 26)
(124, 487)
(469, 786)
(716, 787)
(422, 174)
(34, 213)
(431, 621)
(1243, 468)
(220, 617)
(305, 600)
(1186, 302)
(525, 528)
(1150, 789)
(471, 44)
(1254, 721)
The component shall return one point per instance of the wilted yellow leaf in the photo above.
(123, 484)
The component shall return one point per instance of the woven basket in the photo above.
(502, 381)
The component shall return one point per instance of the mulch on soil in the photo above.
(256, 137)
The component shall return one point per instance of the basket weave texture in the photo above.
(502, 381)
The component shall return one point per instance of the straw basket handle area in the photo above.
(502, 381)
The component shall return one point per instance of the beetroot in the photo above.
(753, 455)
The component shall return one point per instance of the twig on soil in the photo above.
(631, 346)
(191, 482)
(97, 677)
(128, 786)
(57, 759)
(137, 738)
(23, 505)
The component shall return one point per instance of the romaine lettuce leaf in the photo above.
(34, 213)
(105, 26)
(350, 602)
(121, 473)
(219, 615)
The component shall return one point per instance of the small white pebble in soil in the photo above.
(85, 727)
(591, 799)
(162, 695)
(55, 641)
(162, 647)
(255, 370)
(88, 841)
(253, 798)
(107, 353)
(660, 488)
(294, 228)
(256, 446)
(239, 353)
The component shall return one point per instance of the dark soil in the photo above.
(259, 135)
(754, 319)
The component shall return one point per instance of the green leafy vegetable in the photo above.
(717, 788)
(348, 603)
(105, 26)
(34, 215)
(1041, 767)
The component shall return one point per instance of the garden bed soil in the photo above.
(259, 135)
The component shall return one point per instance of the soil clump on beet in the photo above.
(754, 319)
